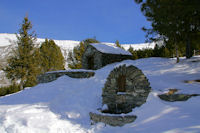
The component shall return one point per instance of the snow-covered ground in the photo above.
(63, 106)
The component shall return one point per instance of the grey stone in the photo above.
(112, 120)
(136, 90)
(48, 77)
(176, 97)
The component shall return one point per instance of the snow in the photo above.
(105, 107)
(6, 39)
(63, 106)
(71, 70)
(139, 46)
(106, 48)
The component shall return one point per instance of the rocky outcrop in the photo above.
(112, 120)
(176, 97)
(51, 76)
(126, 87)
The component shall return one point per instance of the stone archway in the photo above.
(126, 87)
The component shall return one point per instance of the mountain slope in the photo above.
(63, 105)
(7, 43)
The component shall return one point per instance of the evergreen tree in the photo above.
(51, 57)
(22, 65)
(133, 52)
(117, 44)
(156, 51)
(173, 20)
(75, 57)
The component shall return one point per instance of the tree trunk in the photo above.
(177, 55)
(188, 49)
(21, 85)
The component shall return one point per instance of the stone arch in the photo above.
(126, 87)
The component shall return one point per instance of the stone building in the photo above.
(98, 55)
(126, 88)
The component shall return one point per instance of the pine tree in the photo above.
(133, 52)
(173, 20)
(22, 65)
(117, 44)
(75, 57)
(51, 57)
(156, 51)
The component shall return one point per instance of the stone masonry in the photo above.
(133, 92)
(100, 59)
(112, 120)
(51, 76)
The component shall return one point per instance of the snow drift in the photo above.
(63, 106)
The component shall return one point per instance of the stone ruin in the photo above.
(51, 76)
(126, 88)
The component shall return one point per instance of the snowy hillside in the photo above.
(7, 43)
(63, 106)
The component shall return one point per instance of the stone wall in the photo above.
(112, 120)
(136, 91)
(111, 58)
(51, 76)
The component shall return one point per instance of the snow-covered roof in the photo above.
(110, 49)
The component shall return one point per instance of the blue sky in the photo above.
(107, 20)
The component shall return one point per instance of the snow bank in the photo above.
(63, 105)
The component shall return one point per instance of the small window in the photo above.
(121, 83)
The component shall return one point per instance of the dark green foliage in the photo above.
(161, 51)
(9, 89)
(75, 56)
(175, 21)
(156, 51)
(51, 57)
(144, 53)
(22, 65)
(117, 44)
(133, 52)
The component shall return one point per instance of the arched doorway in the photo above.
(90, 62)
